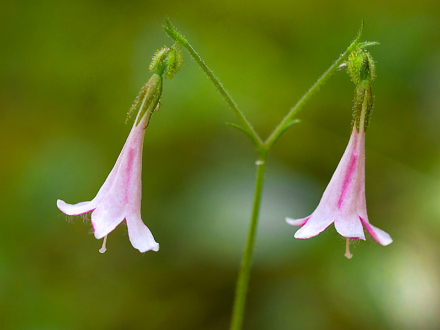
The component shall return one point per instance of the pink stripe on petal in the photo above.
(113, 208)
(120, 195)
(350, 175)
(343, 200)
(378, 234)
(133, 145)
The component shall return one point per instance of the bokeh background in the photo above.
(69, 73)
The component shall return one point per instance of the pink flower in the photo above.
(120, 196)
(343, 201)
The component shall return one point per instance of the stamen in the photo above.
(347, 250)
(103, 249)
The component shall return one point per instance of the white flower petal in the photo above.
(75, 209)
(140, 236)
(120, 195)
(297, 222)
(350, 227)
(125, 190)
(105, 220)
(378, 234)
(314, 226)
(343, 200)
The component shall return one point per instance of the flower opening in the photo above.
(120, 196)
(343, 202)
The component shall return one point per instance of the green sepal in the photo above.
(158, 58)
(174, 62)
(137, 101)
(368, 44)
(360, 66)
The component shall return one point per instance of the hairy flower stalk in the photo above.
(120, 196)
(343, 202)
(262, 147)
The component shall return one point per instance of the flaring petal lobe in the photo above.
(105, 220)
(120, 196)
(378, 234)
(343, 201)
(350, 227)
(75, 209)
(140, 236)
(316, 225)
(297, 222)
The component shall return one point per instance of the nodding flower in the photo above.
(120, 196)
(343, 202)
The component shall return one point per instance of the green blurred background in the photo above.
(70, 71)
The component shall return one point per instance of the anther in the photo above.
(347, 250)
(103, 249)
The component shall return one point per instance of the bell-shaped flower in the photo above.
(120, 196)
(343, 202)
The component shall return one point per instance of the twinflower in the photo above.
(120, 196)
(343, 202)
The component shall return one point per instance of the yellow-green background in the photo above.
(69, 71)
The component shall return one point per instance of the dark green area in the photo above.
(70, 71)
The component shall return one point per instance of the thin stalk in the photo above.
(172, 32)
(262, 148)
(245, 269)
(293, 111)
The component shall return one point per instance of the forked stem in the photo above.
(262, 149)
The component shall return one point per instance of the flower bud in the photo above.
(174, 62)
(158, 58)
(167, 61)
(360, 66)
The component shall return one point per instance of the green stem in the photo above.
(262, 148)
(245, 269)
(288, 118)
(172, 32)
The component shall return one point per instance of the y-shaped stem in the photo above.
(262, 148)
(172, 32)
